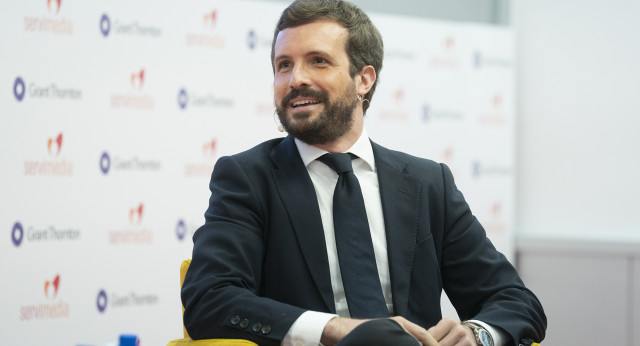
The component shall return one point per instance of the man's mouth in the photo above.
(306, 102)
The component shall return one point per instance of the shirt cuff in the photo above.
(307, 329)
(496, 334)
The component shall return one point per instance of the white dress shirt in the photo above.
(307, 329)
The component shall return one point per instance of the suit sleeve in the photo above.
(220, 292)
(479, 280)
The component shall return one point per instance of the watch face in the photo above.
(485, 338)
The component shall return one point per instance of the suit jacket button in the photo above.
(266, 329)
(257, 326)
(235, 320)
(244, 323)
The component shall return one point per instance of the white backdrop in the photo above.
(113, 114)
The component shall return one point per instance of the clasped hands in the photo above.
(447, 332)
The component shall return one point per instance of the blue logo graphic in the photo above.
(105, 25)
(17, 233)
(181, 229)
(426, 112)
(252, 39)
(105, 163)
(19, 89)
(101, 301)
(477, 59)
(476, 169)
(182, 98)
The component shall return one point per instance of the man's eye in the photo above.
(319, 61)
(285, 64)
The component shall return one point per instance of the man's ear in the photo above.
(365, 79)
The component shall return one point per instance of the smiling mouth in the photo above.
(302, 103)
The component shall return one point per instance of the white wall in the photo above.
(578, 166)
(579, 117)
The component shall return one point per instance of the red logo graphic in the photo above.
(137, 79)
(448, 154)
(449, 42)
(398, 96)
(209, 148)
(48, 287)
(135, 214)
(497, 101)
(57, 3)
(496, 208)
(57, 141)
(210, 19)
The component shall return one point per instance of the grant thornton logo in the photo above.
(105, 163)
(29, 233)
(101, 301)
(17, 234)
(115, 163)
(126, 300)
(19, 88)
(46, 90)
(183, 98)
(105, 25)
(181, 229)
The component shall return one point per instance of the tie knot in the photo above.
(339, 162)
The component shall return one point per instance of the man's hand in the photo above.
(338, 327)
(424, 337)
(451, 333)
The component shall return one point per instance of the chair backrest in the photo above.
(184, 266)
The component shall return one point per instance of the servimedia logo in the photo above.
(54, 309)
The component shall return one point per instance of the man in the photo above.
(267, 265)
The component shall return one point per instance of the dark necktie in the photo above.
(353, 241)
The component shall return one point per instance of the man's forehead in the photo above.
(327, 30)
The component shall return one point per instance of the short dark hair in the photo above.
(364, 44)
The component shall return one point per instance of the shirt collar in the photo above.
(361, 148)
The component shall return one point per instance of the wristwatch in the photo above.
(483, 338)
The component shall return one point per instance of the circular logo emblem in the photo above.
(105, 163)
(19, 89)
(101, 301)
(105, 25)
(181, 229)
(17, 233)
(251, 39)
(182, 98)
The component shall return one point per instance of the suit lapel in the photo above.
(400, 195)
(298, 195)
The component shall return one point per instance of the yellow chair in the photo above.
(186, 341)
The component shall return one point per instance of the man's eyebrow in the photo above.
(318, 52)
(314, 52)
(279, 57)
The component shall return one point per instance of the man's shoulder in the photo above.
(263, 149)
(398, 158)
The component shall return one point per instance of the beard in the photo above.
(333, 121)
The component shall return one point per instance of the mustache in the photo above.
(306, 92)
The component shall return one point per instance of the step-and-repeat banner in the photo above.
(113, 113)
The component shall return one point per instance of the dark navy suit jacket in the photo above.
(260, 259)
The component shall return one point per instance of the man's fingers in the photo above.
(449, 333)
(442, 329)
(416, 331)
(423, 336)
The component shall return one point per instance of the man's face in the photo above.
(315, 96)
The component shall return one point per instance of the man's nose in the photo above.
(299, 78)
